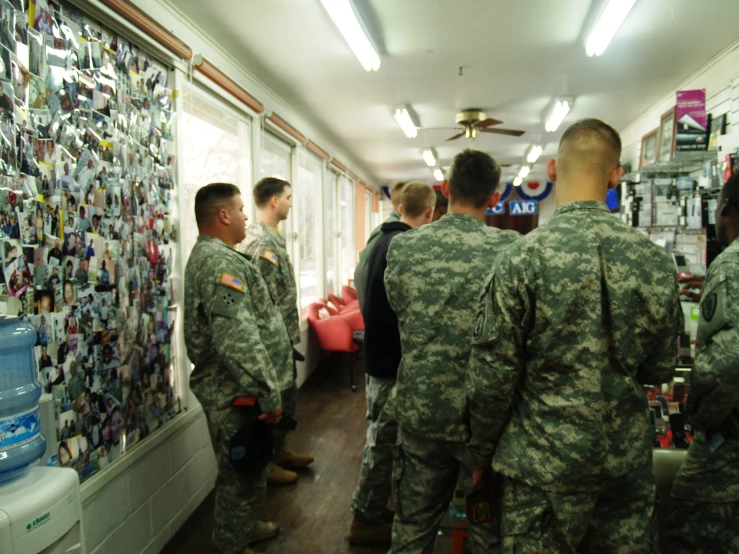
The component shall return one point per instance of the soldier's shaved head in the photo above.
(590, 146)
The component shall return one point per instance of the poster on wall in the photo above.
(86, 182)
(691, 121)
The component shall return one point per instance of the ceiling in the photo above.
(516, 56)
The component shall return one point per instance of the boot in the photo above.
(278, 476)
(263, 530)
(361, 533)
(284, 457)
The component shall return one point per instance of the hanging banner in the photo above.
(499, 209)
(506, 192)
(692, 122)
(533, 190)
(524, 207)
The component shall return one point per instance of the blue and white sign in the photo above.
(499, 209)
(524, 207)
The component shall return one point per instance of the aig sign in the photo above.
(524, 207)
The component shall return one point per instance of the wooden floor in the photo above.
(313, 515)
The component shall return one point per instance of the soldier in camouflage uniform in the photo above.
(237, 341)
(433, 279)
(574, 318)
(705, 508)
(267, 250)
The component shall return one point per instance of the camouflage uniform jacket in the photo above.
(714, 389)
(234, 334)
(574, 317)
(433, 280)
(362, 270)
(267, 249)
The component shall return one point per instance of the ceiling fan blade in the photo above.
(489, 122)
(505, 165)
(455, 136)
(511, 132)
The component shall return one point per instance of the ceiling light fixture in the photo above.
(607, 26)
(403, 117)
(525, 170)
(429, 156)
(346, 19)
(438, 174)
(517, 182)
(561, 108)
(534, 153)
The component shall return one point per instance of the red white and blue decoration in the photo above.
(533, 190)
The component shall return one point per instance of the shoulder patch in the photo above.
(230, 281)
(270, 256)
(708, 307)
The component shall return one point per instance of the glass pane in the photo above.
(276, 163)
(307, 208)
(216, 148)
(329, 232)
(346, 227)
(367, 214)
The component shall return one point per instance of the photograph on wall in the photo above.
(85, 118)
(649, 147)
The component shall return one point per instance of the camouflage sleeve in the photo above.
(392, 277)
(659, 366)
(238, 342)
(497, 360)
(714, 390)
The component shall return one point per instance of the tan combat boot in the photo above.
(361, 533)
(263, 530)
(278, 476)
(284, 457)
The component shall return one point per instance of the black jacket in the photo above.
(381, 335)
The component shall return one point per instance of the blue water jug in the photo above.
(21, 443)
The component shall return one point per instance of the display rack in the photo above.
(682, 163)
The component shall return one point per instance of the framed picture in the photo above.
(716, 128)
(649, 150)
(666, 135)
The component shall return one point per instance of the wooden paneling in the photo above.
(229, 85)
(142, 21)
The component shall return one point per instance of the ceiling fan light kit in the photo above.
(350, 26)
(476, 121)
(607, 26)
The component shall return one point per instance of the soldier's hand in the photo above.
(477, 476)
(272, 418)
(692, 282)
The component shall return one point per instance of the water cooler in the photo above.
(40, 509)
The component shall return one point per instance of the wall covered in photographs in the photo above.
(86, 157)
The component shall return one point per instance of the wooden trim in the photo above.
(353, 176)
(229, 85)
(142, 21)
(317, 150)
(338, 165)
(285, 126)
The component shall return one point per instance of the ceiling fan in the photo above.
(474, 120)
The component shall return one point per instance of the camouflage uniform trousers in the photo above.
(702, 528)
(289, 399)
(615, 521)
(375, 474)
(425, 474)
(239, 497)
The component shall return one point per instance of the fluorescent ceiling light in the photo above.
(534, 153)
(517, 182)
(607, 26)
(406, 123)
(438, 174)
(525, 170)
(429, 157)
(344, 17)
(560, 111)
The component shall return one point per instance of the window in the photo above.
(216, 148)
(367, 213)
(276, 161)
(347, 260)
(329, 232)
(307, 210)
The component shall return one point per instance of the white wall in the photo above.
(139, 502)
(720, 79)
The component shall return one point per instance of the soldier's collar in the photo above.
(456, 219)
(582, 205)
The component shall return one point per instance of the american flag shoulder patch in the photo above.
(270, 256)
(231, 281)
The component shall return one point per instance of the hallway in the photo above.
(313, 515)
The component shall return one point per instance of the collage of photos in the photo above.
(86, 179)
